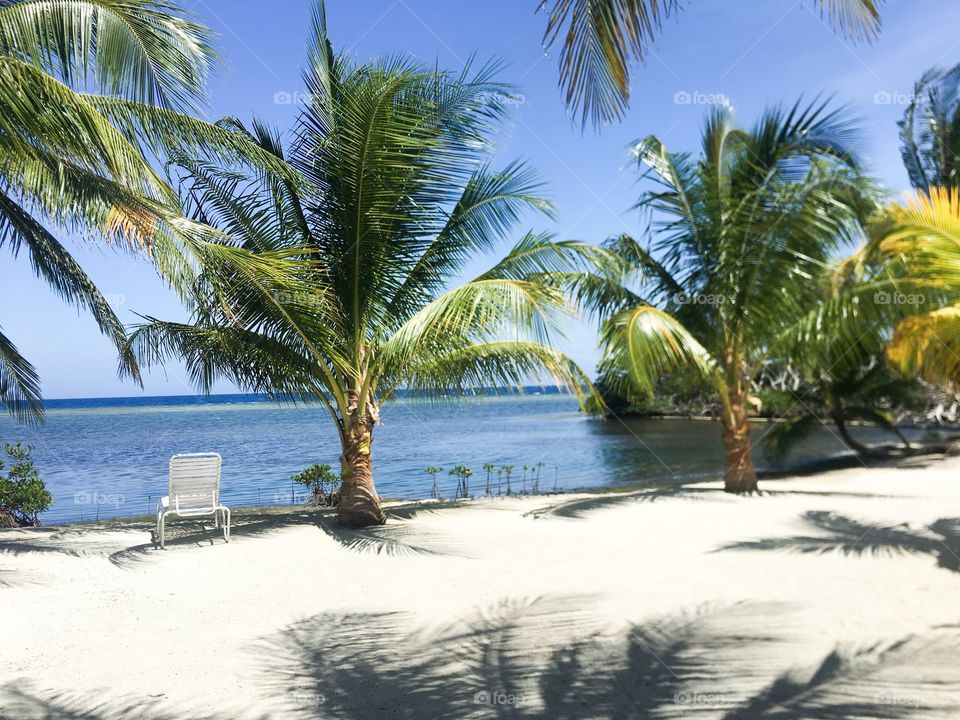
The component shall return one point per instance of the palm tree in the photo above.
(742, 243)
(602, 37)
(930, 131)
(396, 197)
(90, 90)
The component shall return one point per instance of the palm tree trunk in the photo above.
(359, 501)
(739, 475)
(859, 448)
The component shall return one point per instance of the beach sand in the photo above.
(830, 596)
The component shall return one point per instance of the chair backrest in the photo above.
(194, 481)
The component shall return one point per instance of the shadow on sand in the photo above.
(716, 662)
(839, 533)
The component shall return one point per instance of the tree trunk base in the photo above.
(359, 517)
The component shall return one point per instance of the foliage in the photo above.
(930, 131)
(872, 393)
(463, 474)
(601, 38)
(432, 471)
(925, 233)
(89, 91)
(23, 495)
(321, 482)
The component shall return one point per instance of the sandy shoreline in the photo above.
(663, 604)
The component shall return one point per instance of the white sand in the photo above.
(572, 606)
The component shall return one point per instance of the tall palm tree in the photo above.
(930, 131)
(89, 91)
(396, 198)
(601, 38)
(742, 242)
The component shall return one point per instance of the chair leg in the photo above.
(162, 522)
(226, 524)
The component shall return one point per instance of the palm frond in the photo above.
(144, 50)
(19, 384)
(644, 343)
(52, 262)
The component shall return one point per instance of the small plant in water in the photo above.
(463, 474)
(489, 467)
(432, 472)
(23, 496)
(536, 478)
(508, 471)
(322, 483)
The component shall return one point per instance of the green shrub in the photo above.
(322, 482)
(23, 496)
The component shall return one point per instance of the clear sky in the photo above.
(752, 53)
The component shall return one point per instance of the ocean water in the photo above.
(108, 457)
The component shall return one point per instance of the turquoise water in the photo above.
(108, 457)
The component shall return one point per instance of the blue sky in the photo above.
(750, 53)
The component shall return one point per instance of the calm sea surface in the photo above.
(108, 457)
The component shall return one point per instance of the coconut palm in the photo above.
(90, 90)
(741, 248)
(397, 197)
(602, 37)
(930, 131)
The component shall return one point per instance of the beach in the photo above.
(828, 596)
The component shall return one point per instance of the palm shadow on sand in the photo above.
(839, 533)
(712, 663)
(399, 537)
(576, 508)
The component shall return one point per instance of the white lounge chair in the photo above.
(194, 492)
